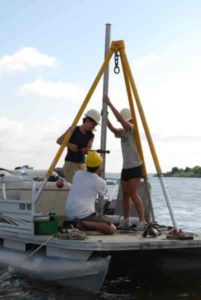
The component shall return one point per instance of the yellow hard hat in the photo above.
(93, 159)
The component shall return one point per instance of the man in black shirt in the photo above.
(80, 142)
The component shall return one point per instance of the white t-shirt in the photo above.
(85, 187)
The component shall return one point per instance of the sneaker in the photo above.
(141, 226)
(125, 224)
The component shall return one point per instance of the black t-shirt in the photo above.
(81, 140)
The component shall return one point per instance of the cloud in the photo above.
(51, 89)
(33, 144)
(146, 61)
(9, 128)
(182, 139)
(24, 59)
(171, 101)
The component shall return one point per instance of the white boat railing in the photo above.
(16, 213)
(112, 192)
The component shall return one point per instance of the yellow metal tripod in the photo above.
(118, 48)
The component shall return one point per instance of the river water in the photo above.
(185, 196)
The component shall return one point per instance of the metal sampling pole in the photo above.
(100, 201)
(104, 105)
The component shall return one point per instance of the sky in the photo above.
(51, 52)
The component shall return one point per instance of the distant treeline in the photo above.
(187, 172)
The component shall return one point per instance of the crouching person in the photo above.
(86, 186)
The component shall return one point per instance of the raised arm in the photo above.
(112, 128)
(126, 125)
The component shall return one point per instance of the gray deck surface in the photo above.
(116, 242)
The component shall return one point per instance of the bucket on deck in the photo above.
(47, 226)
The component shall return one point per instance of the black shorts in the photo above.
(127, 174)
(94, 218)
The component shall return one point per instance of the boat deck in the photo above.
(100, 242)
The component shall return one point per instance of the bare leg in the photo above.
(102, 227)
(133, 191)
(126, 199)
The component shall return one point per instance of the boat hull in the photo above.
(86, 275)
